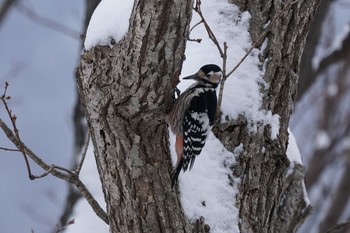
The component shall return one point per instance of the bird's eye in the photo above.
(208, 75)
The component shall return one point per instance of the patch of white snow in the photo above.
(110, 20)
(206, 190)
(242, 89)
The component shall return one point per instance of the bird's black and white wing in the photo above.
(196, 125)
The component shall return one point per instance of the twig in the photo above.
(71, 177)
(223, 52)
(194, 26)
(199, 40)
(60, 229)
(211, 35)
(5, 7)
(57, 171)
(222, 84)
(9, 149)
(46, 22)
(262, 35)
(13, 118)
(80, 165)
(47, 172)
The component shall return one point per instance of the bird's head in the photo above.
(208, 74)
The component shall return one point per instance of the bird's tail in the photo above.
(175, 173)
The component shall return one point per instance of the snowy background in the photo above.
(39, 64)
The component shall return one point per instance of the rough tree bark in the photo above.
(126, 89)
(269, 200)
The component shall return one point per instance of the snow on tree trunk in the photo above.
(271, 197)
(126, 90)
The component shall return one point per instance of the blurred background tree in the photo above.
(321, 120)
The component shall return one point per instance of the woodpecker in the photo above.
(193, 115)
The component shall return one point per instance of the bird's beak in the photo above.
(193, 76)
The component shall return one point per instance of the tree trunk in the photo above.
(126, 89)
(269, 200)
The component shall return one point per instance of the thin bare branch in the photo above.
(194, 26)
(211, 35)
(5, 7)
(71, 177)
(263, 34)
(9, 149)
(13, 118)
(199, 40)
(335, 56)
(60, 229)
(222, 84)
(223, 52)
(80, 165)
(46, 22)
(57, 171)
(47, 172)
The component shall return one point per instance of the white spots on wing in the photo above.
(202, 118)
(195, 139)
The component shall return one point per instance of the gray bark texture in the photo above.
(269, 200)
(126, 90)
